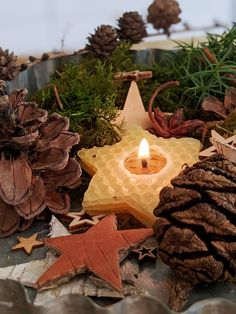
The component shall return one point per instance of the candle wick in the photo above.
(144, 163)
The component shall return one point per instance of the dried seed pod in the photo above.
(8, 67)
(33, 147)
(196, 225)
(131, 27)
(104, 41)
(164, 13)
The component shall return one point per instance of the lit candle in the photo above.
(144, 153)
(121, 184)
(145, 161)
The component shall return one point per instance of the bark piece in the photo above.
(213, 106)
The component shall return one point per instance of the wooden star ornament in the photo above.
(95, 250)
(134, 112)
(145, 252)
(81, 219)
(27, 244)
(220, 145)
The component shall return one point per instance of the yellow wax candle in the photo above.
(114, 188)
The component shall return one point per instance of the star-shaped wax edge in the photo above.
(114, 195)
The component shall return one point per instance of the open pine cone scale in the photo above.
(34, 148)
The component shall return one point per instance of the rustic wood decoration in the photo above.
(136, 281)
(96, 250)
(145, 252)
(134, 112)
(81, 219)
(113, 188)
(223, 148)
(231, 141)
(27, 244)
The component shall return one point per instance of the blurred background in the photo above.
(33, 27)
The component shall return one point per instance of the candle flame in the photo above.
(143, 149)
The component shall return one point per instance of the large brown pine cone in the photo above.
(131, 27)
(34, 162)
(164, 13)
(104, 41)
(196, 222)
(8, 67)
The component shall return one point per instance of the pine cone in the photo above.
(132, 27)
(34, 162)
(104, 41)
(164, 13)
(196, 223)
(8, 66)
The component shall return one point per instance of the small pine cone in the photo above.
(8, 66)
(164, 13)
(132, 27)
(104, 41)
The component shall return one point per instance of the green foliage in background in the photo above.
(91, 97)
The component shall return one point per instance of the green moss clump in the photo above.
(89, 100)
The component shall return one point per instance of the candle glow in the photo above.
(144, 150)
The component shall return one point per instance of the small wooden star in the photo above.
(27, 244)
(81, 219)
(145, 251)
(212, 150)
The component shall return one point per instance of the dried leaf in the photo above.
(58, 203)
(36, 203)
(51, 159)
(230, 99)
(69, 176)
(9, 220)
(15, 180)
(213, 106)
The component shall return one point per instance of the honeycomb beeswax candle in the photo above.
(114, 188)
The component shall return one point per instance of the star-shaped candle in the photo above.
(123, 181)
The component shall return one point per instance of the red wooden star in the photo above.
(95, 250)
